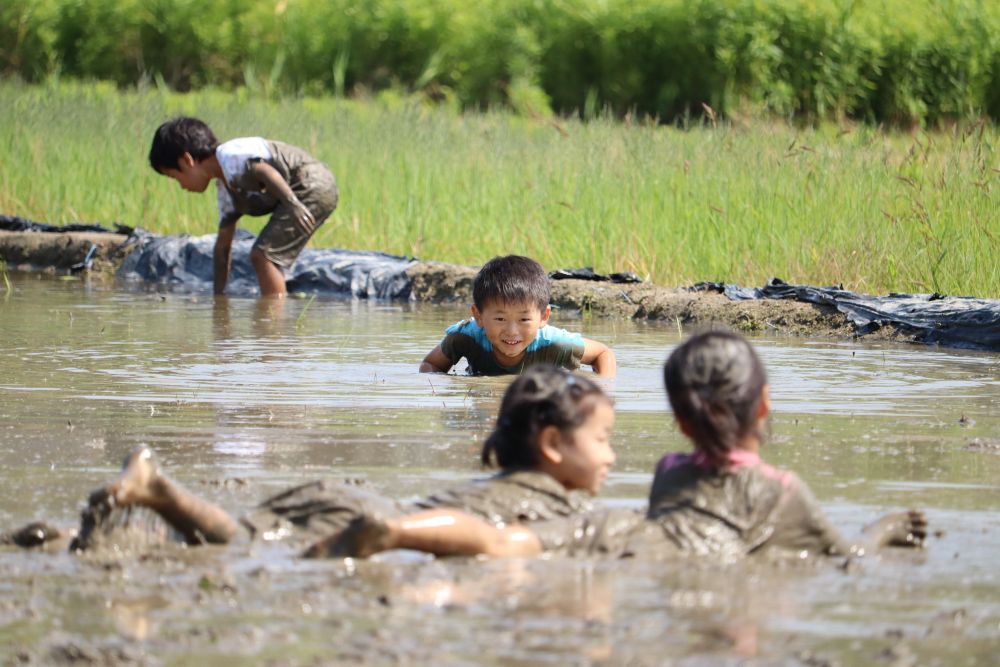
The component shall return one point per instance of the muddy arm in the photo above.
(278, 187)
(435, 362)
(221, 255)
(600, 357)
(802, 526)
(443, 532)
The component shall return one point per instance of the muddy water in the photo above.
(240, 400)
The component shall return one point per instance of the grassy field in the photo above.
(739, 202)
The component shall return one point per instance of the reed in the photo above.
(738, 202)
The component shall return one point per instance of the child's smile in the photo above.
(510, 328)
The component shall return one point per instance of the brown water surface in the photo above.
(240, 399)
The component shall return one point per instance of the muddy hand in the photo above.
(903, 529)
(304, 218)
(916, 527)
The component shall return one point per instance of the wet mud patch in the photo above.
(60, 252)
(438, 282)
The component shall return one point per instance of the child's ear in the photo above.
(186, 160)
(765, 402)
(546, 314)
(548, 445)
(476, 315)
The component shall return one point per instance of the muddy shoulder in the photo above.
(440, 282)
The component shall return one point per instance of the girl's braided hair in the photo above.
(715, 382)
(541, 396)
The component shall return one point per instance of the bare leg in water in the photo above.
(142, 484)
(442, 532)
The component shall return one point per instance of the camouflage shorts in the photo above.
(281, 240)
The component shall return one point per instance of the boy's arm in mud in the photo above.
(435, 362)
(222, 253)
(600, 357)
(278, 187)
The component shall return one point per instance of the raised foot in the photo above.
(135, 484)
(363, 536)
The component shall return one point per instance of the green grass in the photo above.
(740, 202)
(901, 62)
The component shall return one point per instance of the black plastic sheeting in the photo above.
(13, 223)
(587, 273)
(185, 263)
(931, 318)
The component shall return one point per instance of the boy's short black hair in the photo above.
(512, 279)
(177, 137)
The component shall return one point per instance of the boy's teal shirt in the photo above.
(552, 346)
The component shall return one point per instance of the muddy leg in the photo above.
(900, 529)
(141, 483)
(269, 275)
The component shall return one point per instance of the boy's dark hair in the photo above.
(512, 279)
(541, 396)
(714, 383)
(177, 137)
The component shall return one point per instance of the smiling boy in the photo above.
(509, 329)
(254, 176)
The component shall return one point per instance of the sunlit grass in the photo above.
(741, 203)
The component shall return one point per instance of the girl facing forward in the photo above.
(721, 499)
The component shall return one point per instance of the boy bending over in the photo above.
(509, 329)
(254, 176)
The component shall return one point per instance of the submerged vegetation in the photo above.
(886, 61)
(737, 201)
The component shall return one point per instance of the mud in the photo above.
(35, 251)
(242, 401)
(438, 282)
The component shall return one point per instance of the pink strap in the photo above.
(740, 458)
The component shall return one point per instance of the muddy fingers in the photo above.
(900, 529)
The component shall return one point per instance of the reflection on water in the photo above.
(240, 398)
